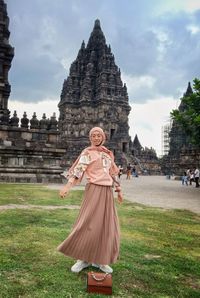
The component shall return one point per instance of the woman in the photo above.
(94, 239)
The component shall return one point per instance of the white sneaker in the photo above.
(79, 265)
(105, 268)
(95, 265)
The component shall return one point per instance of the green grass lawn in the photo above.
(160, 249)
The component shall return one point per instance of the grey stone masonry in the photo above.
(30, 155)
(183, 155)
(6, 56)
(94, 95)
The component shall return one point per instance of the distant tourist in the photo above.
(94, 239)
(120, 171)
(134, 172)
(196, 176)
(128, 171)
(185, 178)
(191, 176)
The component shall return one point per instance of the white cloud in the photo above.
(193, 29)
(134, 82)
(178, 5)
(47, 106)
(146, 121)
(138, 84)
(164, 42)
(190, 5)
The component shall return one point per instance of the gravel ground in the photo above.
(157, 191)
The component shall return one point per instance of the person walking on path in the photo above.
(190, 174)
(128, 172)
(185, 178)
(196, 176)
(94, 239)
(120, 171)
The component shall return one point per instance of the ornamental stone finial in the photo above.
(24, 121)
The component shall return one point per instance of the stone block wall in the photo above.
(30, 155)
(184, 160)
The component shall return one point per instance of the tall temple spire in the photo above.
(97, 24)
(6, 56)
(178, 137)
(93, 95)
(97, 38)
(94, 75)
(189, 90)
(136, 143)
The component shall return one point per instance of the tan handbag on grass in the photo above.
(98, 282)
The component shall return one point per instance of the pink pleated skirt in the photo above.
(95, 235)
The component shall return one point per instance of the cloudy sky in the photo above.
(156, 44)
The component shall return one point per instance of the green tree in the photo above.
(189, 117)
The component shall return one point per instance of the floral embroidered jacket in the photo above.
(97, 164)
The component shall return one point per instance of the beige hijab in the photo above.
(99, 130)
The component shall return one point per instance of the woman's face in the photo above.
(96, 138)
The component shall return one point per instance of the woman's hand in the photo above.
(64, 191)
(120, 197)
(119, 194)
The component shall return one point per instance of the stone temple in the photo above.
(182, 154)
(93, 94)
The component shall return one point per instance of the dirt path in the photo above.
(157, 191)
(49, 207)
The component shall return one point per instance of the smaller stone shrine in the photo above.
(182, 154)
(178, 138)
(145, 159)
